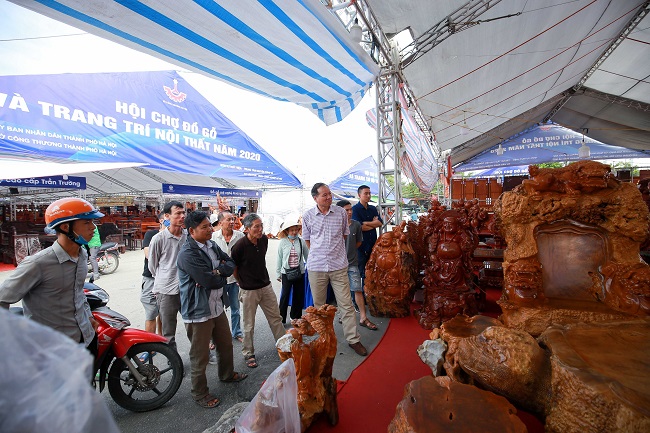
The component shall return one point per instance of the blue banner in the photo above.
(155, 118)
(545, 143)
(362, 173)
(69, 182)
(169, 188)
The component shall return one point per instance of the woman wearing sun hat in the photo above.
(290, 268)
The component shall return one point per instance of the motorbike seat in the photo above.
(107, 245)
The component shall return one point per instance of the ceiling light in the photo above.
(584, 151)
(355, 31)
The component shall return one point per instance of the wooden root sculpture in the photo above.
(314, 362)
(448, 267)
(573, 236)
(391, 275)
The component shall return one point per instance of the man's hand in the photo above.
(94, 323)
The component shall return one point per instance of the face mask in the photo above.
(292, 237)
(166, 223)
(80, 240)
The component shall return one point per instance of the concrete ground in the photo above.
(180, 413)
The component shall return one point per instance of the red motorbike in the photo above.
(141, 370)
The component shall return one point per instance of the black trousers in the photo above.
(297, 288)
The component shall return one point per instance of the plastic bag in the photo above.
(45, 381)
(275, 407)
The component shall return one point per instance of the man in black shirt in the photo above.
(249, 254)
(148, 299)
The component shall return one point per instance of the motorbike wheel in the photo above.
(109, 263)
(162, 372)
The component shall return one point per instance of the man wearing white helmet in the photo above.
(50, 283)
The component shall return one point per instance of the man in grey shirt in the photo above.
(50, 283)
(163, 252)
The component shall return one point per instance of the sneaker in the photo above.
(358, 348)
(213, 358)
(356, 308)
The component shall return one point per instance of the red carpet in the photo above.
(367, 401)
(6, 267)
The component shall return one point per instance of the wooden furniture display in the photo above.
(131, 238)
(25, 245)
(485, 190)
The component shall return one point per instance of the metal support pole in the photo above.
(388, 146)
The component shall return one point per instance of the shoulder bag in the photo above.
(294, 274)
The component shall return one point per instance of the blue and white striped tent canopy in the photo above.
(291, 51)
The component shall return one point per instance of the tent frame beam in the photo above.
(115, 181)
(389, 119)
(631, 25)
(461, 19)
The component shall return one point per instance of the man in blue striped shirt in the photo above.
(325, 228)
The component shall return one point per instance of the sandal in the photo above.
(251, 362)
(237, 377)
(211, 346)
(239, 338)
(368, 324)
(208, 402)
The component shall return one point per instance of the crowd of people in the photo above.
(197, 264)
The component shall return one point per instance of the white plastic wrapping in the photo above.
(275, 407)
(45, 381)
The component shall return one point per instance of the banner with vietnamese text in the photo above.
(67, 182)
(155, 118)
(168, 188)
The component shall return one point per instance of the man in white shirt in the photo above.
(325, 228)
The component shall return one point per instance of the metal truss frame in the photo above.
(389, 143)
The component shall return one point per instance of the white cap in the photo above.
(214, 218)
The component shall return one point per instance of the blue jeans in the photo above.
(235, 317)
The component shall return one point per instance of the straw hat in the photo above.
(289, 221)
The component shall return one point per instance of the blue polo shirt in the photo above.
(361, 214)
